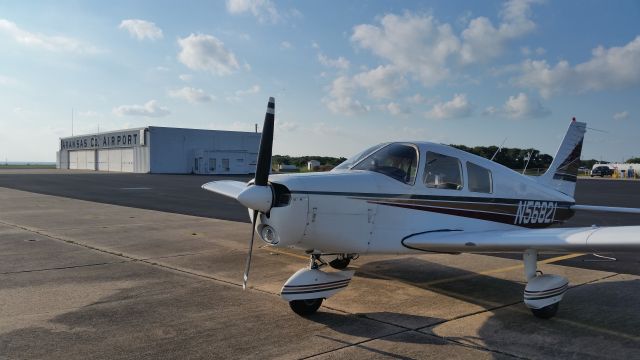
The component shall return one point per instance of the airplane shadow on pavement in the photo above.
(595, 320)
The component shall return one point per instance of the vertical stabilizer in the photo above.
(563, 172)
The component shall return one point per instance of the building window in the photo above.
(196, 164)
(443, 172)
(479, 178)
(212, 164)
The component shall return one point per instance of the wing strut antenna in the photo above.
(499, 148)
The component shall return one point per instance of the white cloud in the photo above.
(7, 81)
(458, 107)
(287, 125)
(426, 48)
(192, 95)
(381, 82)
(323, 129)
(621, 115)
(411, 43)
(520, 106)
(89, 114)
(483, 41)
(612, 68)
(417, 99)
(239, 94)
(263, 10)
(285, 45)
(396, 109)
(206, 52)
(252, 90)
(141, 29)
(54, 43)
(149, 109)
(234, 126)
(339, 63)
(185, 77)
(340, 99)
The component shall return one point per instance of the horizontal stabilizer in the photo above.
(606, 209)
(228, 188)
(584, 239)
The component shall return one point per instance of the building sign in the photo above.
(103, 141)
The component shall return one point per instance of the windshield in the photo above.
(347, 164)
(398, 161)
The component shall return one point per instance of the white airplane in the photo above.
(420, 197)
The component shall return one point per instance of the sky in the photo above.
(345, 74)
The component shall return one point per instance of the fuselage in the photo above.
(379, 199)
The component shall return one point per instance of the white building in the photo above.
(162, 150)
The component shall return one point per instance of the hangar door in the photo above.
(82, 159)
(120, 160)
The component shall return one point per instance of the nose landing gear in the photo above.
(342, 261)
(308, 287)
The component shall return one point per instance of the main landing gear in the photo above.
(543, 293)
(307, 288)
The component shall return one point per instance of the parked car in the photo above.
(601, 171)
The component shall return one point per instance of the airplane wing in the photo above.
(584, 239)
(228, 188)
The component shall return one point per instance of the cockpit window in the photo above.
(398, 161)
(443, 172)
(347, 164)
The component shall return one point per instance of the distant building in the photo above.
(287, 168)
(161, 150)
(313, 165)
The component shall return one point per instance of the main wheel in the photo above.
(305, 307)
(546, 312)
(340, 263)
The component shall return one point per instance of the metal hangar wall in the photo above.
(161, 150)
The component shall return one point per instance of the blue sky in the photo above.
(345, 74)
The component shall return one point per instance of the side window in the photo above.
(479, 178)
(443, 172)
(398, 161)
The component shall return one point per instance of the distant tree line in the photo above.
(513, 158)
(301, 161)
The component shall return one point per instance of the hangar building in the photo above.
(164, 150)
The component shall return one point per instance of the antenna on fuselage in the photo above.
(499, 148)
(529, 156)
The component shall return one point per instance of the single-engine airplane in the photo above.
(420, 197)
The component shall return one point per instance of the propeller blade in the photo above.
(263, 167)
(247, 266)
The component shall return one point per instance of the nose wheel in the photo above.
(546, 312)
(305, 307)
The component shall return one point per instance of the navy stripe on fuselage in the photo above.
(479, 199)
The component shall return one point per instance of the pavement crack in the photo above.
(65, 267)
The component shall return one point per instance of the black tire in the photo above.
(305, 307)
(546, 312)
(340, 263)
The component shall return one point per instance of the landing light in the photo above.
(268, 234)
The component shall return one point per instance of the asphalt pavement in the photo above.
(182, 194)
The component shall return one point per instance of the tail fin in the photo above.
(563, 172)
